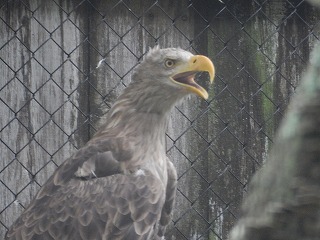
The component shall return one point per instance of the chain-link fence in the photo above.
(53, 96)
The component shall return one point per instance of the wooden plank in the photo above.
(249, 99)
(41, 70)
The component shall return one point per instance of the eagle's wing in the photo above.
(170, 198)
(89, 198)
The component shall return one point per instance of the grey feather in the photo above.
(120, 185)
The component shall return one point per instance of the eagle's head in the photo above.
(173, 70)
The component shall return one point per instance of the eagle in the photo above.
(120, 184)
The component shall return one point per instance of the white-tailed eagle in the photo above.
(120, 185)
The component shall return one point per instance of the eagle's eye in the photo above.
(169, 63)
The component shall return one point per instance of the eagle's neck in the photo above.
(140, 119)
(143, 110)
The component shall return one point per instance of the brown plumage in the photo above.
(120, 185)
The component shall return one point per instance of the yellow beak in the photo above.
(187, 72)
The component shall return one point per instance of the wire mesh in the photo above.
(63, 63)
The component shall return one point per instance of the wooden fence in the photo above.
(53, 96)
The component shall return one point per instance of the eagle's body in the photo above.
(120, 185)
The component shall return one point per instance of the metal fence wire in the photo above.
(53, 95)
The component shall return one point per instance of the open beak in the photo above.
(185, 77)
